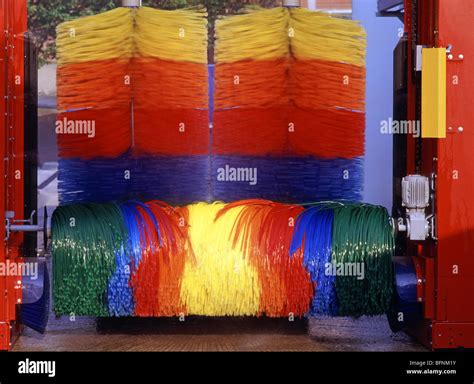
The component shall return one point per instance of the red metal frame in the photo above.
(448, 297)
(13, 25)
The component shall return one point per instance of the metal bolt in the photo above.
(461, 56)
(460, 129)
(450, 57)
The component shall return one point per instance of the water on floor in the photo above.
(205, 334)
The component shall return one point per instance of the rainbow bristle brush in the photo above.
(247, 258)
(134, 80)
(290, 90)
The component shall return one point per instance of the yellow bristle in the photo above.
(108, 35)
(220, 281)
(179, 35)
(257, 35)
(315, 35)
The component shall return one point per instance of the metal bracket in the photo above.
(12, 225)
(418, 58)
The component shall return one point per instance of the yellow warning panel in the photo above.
(433, 93)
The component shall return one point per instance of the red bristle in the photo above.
(266, 229)
(327, 84)
(111, 133)
(327, 133)
(157, 280)
(251, 84)
(281, 131)
(250, 131)
(171, 131)
(169, 84)
(95, 84)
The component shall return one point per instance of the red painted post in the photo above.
(13, 25)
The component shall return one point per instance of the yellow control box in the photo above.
(433, 93)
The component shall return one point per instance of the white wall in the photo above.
(383, 35)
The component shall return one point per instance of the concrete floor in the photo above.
(204, 334)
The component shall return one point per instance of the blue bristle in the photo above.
(290, 179)
(313, 231)
(176, 180)
(211, 74)
(98, 181)
(128, 257)
(120, 294)
(35, 315)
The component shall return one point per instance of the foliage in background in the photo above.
(45, 15)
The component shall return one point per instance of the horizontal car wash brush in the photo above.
(248, 258)
(86, 239)
(165, 249)
(363, 242)
(348, 250)
(221, 281)
(313, 236)
(263, 230)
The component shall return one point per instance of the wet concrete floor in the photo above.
(206, 334)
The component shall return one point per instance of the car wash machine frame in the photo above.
(433, 214)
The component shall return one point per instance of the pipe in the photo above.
(131, 3)
(291, 3)
(26, 228)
